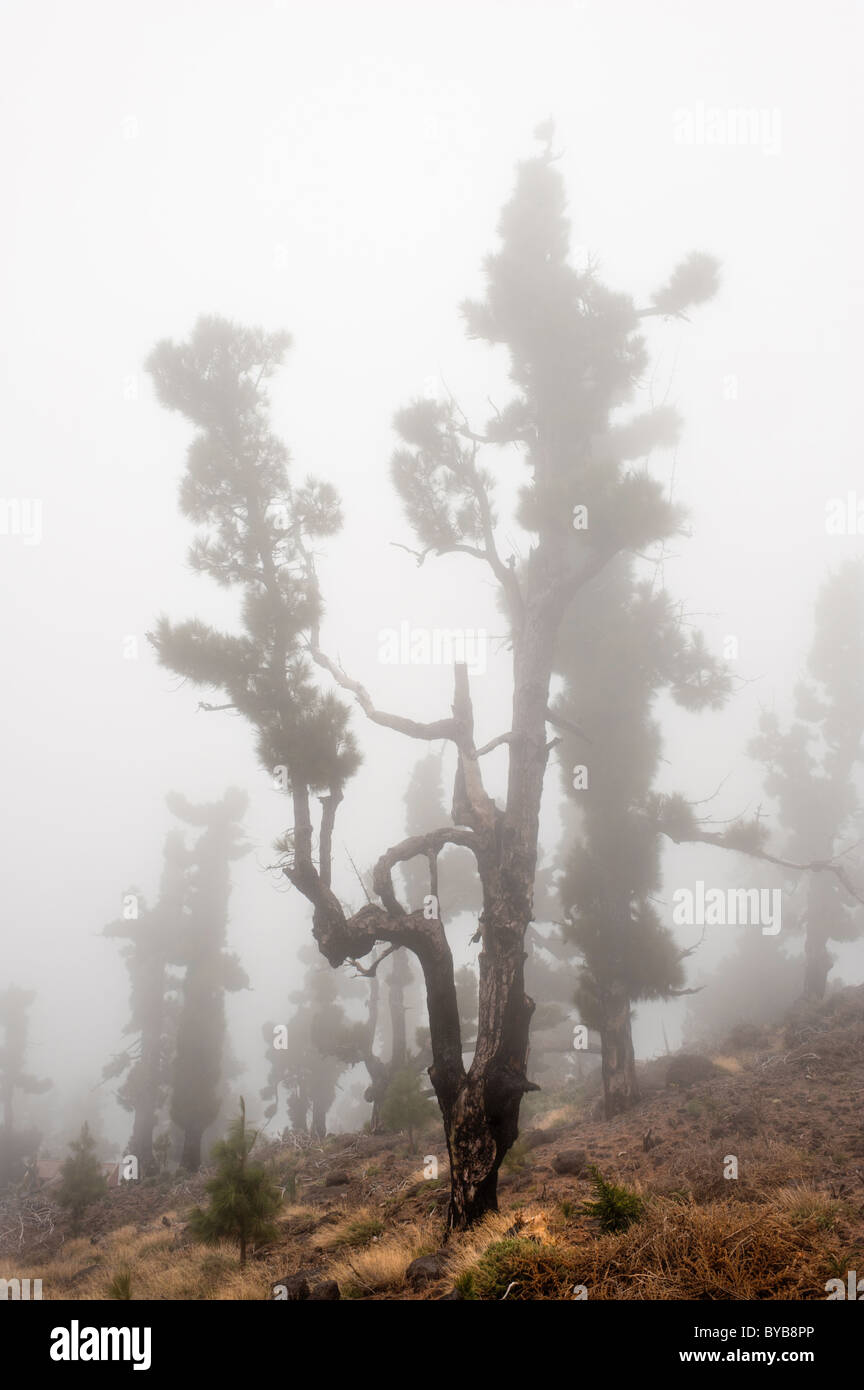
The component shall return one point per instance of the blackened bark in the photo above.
(480, 1107)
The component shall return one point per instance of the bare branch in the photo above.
(565, 725)
(707, 837)
(438, 729)
(495, 743)
(428, 845)
(370, 970)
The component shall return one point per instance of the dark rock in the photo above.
(328, 1289)
(570, 1161)
(291, 1288)
(535, 1138)
(424, 1270)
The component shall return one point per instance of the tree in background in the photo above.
(244, 1199)
(406, 1105)
(811, 767)
(307, 1055)
(755, 984)
(210, 970)
(82, 1181)
(147, 1062)
(575, 356)
(624, 643)
(16, 1144)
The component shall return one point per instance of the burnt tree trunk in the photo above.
(480, 1106)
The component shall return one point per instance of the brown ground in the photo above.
(787, 1103)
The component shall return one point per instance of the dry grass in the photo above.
(158, 1268)
(782, 1246)
(719, 1251)
(381, 1267)
(731, 1065)
(804, 1203)
(359, 1227)
(560, 1116)
(784, 1249)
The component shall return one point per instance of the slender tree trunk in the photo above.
(242, 1171)
(817, 958)
(482, 1121)
(480, 1107)
(620, 1090)
(400, 976)
(319, 1117)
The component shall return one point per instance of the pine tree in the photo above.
(624, 643)
(244, 1199)
(811, 767)
(210, 970)
(82, 1181)
(147, 1061)
(16, 1144)
(307, 1059)
(576, 355)
(406, 1105)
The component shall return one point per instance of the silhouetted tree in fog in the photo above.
(623, 643)
(306, 1054)
(15, 1144)
(811, 766)
(210, 970)
(150, 935)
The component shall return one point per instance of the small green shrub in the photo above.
(516, 1157)
(614, 1207)
(362, 1232)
